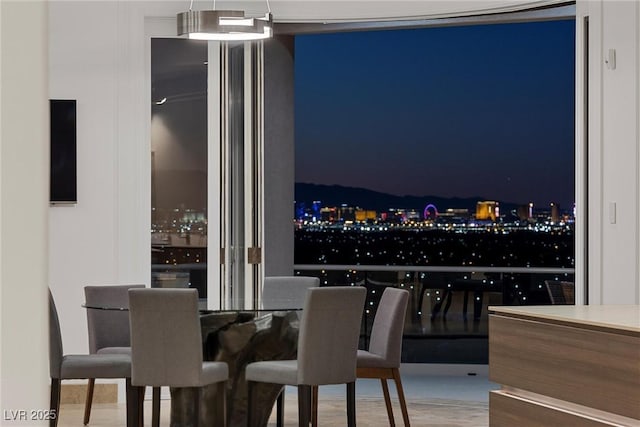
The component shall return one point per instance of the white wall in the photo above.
(613, 152)
(83, 238)
(620, 153)
(24, 195)
(104, 238)
(362, 10)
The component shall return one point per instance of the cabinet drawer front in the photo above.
(509, 411)
(596, 369)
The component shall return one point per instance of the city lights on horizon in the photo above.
(487, 216)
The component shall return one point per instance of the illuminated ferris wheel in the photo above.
(430, 212)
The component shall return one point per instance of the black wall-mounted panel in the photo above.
(63, 151)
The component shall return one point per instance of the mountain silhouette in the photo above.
(336, 195)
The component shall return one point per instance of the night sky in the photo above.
(469, 111)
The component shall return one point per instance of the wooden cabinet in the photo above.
(565, 366)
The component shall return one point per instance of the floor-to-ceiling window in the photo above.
(440, 160)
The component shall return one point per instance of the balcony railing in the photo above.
(447, 318)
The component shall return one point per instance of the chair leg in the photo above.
(250, 401)
(351, 404)
(387, 401)
(421, 299)
(221, 402)
(304, 405)
(314, 406)
(465, 304)
(280, 409)
(403, 403)
(88, 400)
(140, 411)
(449, 295)
(55, 401)
(155, 407)
(196, 406)
(135, 400)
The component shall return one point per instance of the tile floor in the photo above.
(449, 398)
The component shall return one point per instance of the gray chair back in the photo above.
(108, 328)
(560, 292)
(55, 340)
(329, 333)
(388, 325)
(282, 292)
(166, 343)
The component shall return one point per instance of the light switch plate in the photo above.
(610, 60)
(612, 212)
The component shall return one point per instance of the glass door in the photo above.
(179, 166)
(206, 187)
(240, 158)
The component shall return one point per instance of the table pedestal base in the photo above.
(234, 339)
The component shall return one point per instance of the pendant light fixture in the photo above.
(224, 25)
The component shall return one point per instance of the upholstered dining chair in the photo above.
(68, 367)
(560, 292)
(166, 343)
(109, 333)
(327, 348)
(284, 292)
(382, 360)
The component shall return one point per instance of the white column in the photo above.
(24, 201)
(279, 156)
(614, 157)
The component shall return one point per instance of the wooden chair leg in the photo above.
(135, 399)
(54, 404)
(140, 411)
(88, 400)
(403, 403)
(155, 407)
(250, 402)
(280, 409)
(221, 402)
(196, 404)
(387, 401)
(314, 406)
(304, 405)
(351, 404)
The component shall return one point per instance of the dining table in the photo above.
(237, 337)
